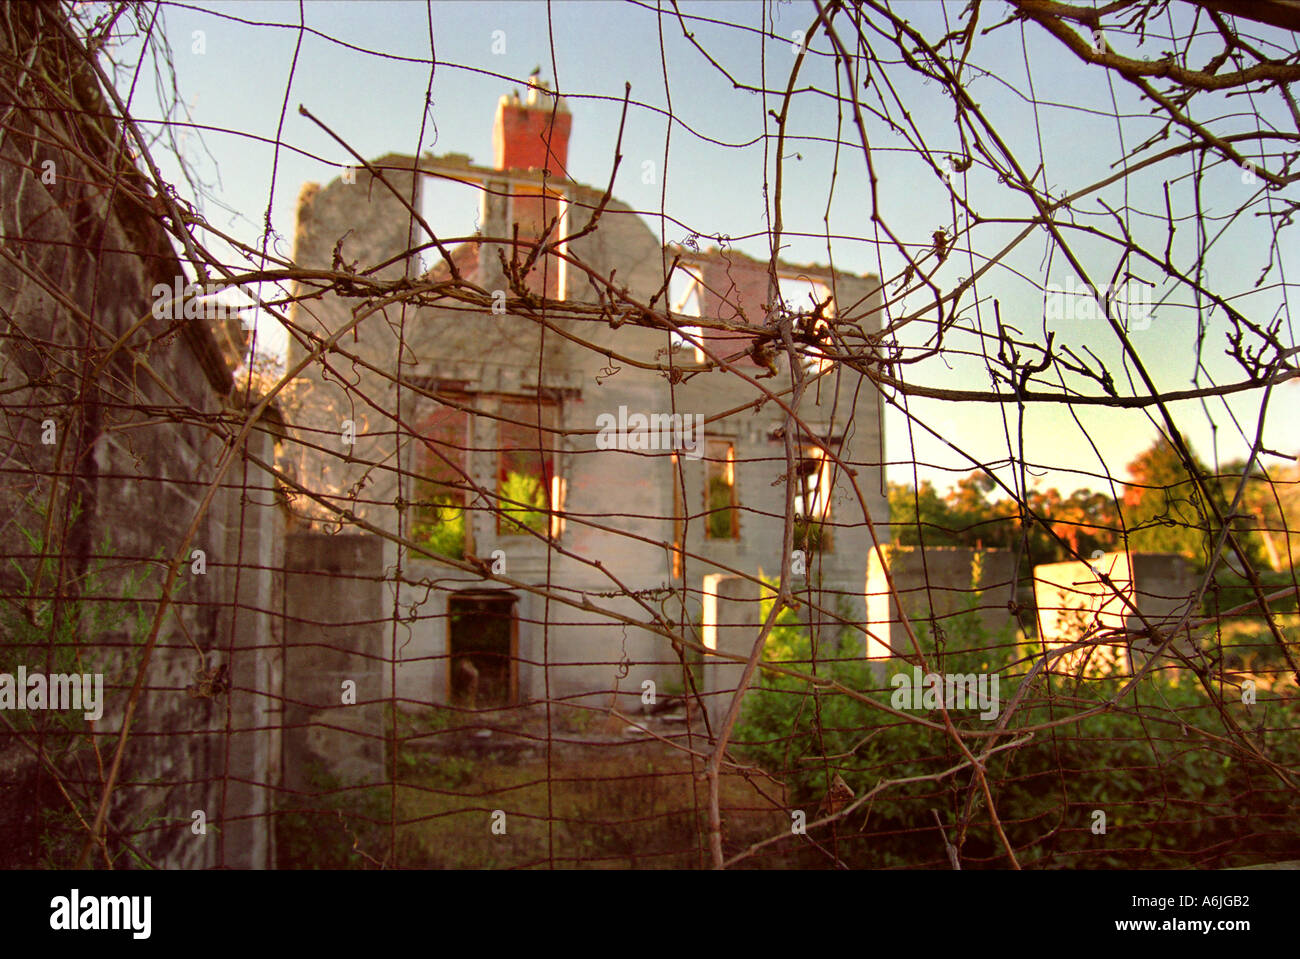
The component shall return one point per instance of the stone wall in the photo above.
(336, 642)
(109, 419)
(938, 586)
(1115, 599)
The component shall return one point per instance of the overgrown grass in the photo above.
(59, 621)
(1172, 796)
(616, 806)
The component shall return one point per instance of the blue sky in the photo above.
(707, 171)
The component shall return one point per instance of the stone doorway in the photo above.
(482, 641)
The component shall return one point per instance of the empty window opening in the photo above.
(532, 210)
(453, 209)
(721, 501)
(806, 297)
(802, 295)
(441, 490)
(812, 500)
(679, 519)
(482, 642)
(529, 487)
(685, 299)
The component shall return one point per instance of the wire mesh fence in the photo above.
(598, 535)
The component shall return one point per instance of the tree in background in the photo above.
(922, 513)
(1162, 508)
(1271, 504)
(1082, 522)
(1165, 512)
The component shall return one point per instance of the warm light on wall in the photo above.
(709, 614)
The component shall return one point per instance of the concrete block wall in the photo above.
(935, 585)
(629, 492)
(336, 629)
(1104, 599)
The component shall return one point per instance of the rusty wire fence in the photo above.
(573, 541)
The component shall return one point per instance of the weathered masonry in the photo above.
(114, 423)
(478, 434)
(1120, 598)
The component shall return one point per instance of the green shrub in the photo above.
(1230, 590)
(1171, 799)
(338, 828)
(95, 625)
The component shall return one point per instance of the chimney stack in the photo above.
(524, 136)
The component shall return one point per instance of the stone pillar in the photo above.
(253, 543)
(333, 633)
(731, 623)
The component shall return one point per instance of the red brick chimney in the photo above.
(524, 137)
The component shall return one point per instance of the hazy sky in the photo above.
(706, 171)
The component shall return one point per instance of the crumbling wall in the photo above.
(619, 503)
(936, 586)
(335, 642)
(110, 453)
(1108, 599)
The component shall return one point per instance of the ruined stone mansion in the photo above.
(469, 495)
(501, 442)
